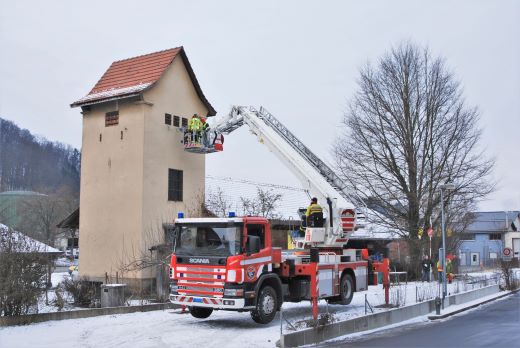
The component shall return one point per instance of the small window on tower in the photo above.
(168, 119)
(184, 122)
(175, 185)
(176, 121)
(111, 118)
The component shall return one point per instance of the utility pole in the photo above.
(448, 187)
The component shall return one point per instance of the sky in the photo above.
(298, 59)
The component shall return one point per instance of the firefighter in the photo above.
(314, 210)
(449, 267)
(314, 207)
(205, 131)
(194, 126)
(439, 270)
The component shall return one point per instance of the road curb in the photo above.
(442, 316)
(374, 321)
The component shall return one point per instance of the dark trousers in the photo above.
(425, 276)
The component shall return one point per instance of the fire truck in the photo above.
(231, 263)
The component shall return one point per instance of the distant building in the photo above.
(68, 241)
(135, 174)
(482, 241)
(512, 236)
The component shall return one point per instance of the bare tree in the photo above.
(41, 216)
(409, 130)
(264, 204)
(218, 203)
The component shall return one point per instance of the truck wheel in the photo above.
(266, 306)
(201, 312)
(346, 289)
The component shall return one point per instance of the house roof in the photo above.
(233, 190)
(20, 193)
(491, 221)
(71, 221)
(130, 77)
(25, 244)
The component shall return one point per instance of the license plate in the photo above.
(198, 300)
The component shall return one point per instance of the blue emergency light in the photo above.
(231, 214)
(180, 215)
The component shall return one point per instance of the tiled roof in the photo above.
(129, 77)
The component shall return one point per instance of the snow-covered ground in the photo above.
(170, 328)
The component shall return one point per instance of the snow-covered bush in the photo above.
(22, 273)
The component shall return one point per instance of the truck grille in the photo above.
(200, 281)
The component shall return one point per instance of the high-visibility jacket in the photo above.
(313, 208)
(448, 266)
(195, 124)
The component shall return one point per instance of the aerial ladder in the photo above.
(343, 210)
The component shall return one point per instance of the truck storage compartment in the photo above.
(299, 289)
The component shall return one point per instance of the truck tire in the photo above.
(346, 290)
(266, 306)
(201, 312)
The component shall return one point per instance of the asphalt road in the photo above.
(496, 324)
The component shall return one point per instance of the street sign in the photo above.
(430, 232)
(507, 254)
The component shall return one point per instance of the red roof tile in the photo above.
(132, 76)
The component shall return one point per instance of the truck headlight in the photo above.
(231, 275)
(234, 292)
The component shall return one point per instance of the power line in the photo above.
(244, 181)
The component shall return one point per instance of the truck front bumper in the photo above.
(210, 302)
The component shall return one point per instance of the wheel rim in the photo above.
(268, 304)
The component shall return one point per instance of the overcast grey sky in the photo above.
(299, 59)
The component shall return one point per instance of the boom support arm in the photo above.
(316, 177)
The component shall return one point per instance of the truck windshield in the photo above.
(208, 240)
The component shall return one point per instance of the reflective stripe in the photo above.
(257, 260)
(313, 208)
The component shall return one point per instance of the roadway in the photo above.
(496, 324)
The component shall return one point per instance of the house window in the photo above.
(495, 236)
(176, 121)
(168, 119)
(111, 118)
(184, 122)
(175, 185)
(467, 236)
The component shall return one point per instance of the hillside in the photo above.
(29, 162)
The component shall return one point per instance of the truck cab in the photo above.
(222, 263)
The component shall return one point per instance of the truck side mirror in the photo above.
(253, 244)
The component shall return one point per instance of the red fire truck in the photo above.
(231, 264)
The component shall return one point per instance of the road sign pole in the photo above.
(431, 261)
